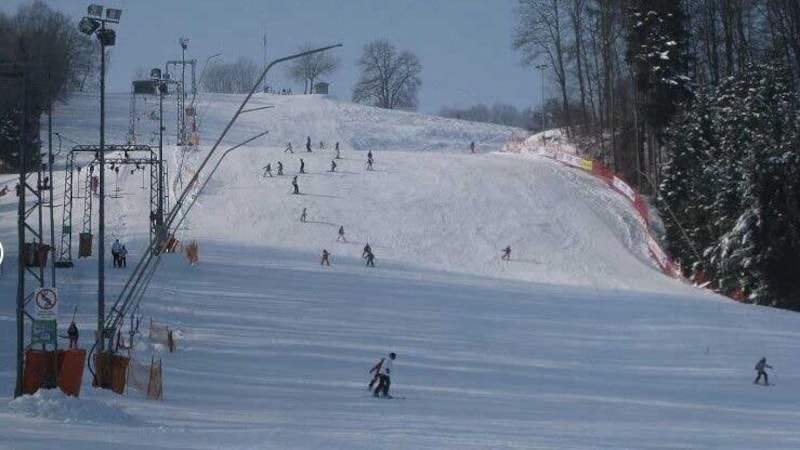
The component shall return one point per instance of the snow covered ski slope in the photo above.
(577, 342)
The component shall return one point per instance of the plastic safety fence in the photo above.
(162, 334)
(146, 378)
(615, 182)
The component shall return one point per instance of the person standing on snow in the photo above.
(325, 256)
(370, 259)
(303, 216)
(294, 185)
(341, 234)
(302, 166)
(289, 148)
(308, 144)
(385, 374)
(337, 150)
(506, 253)
(115, 249)
(123, 257)
(760, 366)
(72, 333)
(367, 250)
(267, 170)
(333, 165)
(280, 168)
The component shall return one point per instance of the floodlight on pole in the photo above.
(87, 25)
(107, 37)
(113, 15)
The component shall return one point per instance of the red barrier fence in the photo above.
(598, 169)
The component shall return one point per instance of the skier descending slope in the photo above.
(760, 366)
(385, 381)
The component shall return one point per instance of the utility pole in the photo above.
(264, 42)
(182, 132)
(541, 68)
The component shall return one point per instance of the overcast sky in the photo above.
(464, 45)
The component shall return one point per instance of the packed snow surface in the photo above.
(577, 342)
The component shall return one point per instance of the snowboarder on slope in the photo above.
(333, 166)
(506, 253)
(385, 381)
(760, 366)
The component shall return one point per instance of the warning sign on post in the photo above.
(46, 300)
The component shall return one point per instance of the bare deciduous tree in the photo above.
(309, 68)
(231, 78)
(388, 79)
(541, 35)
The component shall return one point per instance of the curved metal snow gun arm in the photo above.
(211, 174)
(124, 301)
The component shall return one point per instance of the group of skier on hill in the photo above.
(381, 372)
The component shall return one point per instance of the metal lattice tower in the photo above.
(138, 155)
(182, 95)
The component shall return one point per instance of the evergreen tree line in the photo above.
(730, 192)
(43, 57)
(667, 92)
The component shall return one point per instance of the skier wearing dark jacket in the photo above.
(760, 366)
(72, 333)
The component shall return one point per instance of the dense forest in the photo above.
(696, 103)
